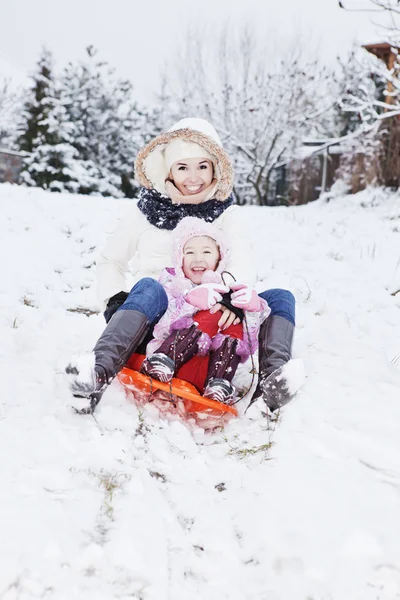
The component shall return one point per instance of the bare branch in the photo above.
(260, 104)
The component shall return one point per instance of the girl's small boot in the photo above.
(177, 349)
(222, 367)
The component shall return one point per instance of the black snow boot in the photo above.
(275, 350)
(121, 337)
(177, 349)
(222, 367)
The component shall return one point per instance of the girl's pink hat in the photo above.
(191, 227)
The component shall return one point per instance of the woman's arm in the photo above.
(119, 249)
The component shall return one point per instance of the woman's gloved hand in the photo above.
(113, 304)
(245, 297)
(205, 295)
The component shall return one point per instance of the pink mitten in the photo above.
(204, 296)
(245, 297)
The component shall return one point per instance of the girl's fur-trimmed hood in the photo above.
(150, 168)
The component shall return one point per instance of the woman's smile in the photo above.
(193, 189)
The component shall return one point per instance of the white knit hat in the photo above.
(196, 124)
(180, 149)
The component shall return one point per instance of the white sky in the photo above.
(137, 37)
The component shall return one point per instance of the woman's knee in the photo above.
(146, 283)
(148, 297)
(286, 297)
(281, 302)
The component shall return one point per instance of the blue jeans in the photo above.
(281, 303)
(148, 297)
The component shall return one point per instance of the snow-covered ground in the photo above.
(134, 506)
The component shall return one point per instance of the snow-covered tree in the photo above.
(373, 90)
(261, 107)
(372, 101)
(354, 82)
(37, 103)
(107, 126)
(380, 7)
(386, 72)
(82, 129)
(10, 106)
(46, 133)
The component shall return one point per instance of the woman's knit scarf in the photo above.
(162, 213)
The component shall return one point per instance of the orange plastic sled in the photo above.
(193, 400)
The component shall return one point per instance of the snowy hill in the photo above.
(133, 506)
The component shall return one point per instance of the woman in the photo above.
(184, 172)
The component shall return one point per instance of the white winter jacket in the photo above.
(138, 249)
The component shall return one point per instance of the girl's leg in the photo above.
(222, 366)
(183, 344)
(174, 356)
(179, 347)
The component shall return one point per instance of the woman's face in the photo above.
(192, 175)
(200, 254)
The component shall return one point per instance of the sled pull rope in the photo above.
(227, 273)
(253, 366)
(174, 359)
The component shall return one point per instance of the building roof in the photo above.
(12, 152)
(382, 50)
(312, 147)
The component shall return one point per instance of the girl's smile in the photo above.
(200, 254)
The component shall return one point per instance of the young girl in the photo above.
(189, 327)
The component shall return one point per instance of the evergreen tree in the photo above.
(107, 126)
(10, 106)
(46, 134)
(82, 130)
(36, 107)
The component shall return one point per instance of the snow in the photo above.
(293, 374)
(132, 505)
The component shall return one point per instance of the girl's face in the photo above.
(192, 175)
(200, 254)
